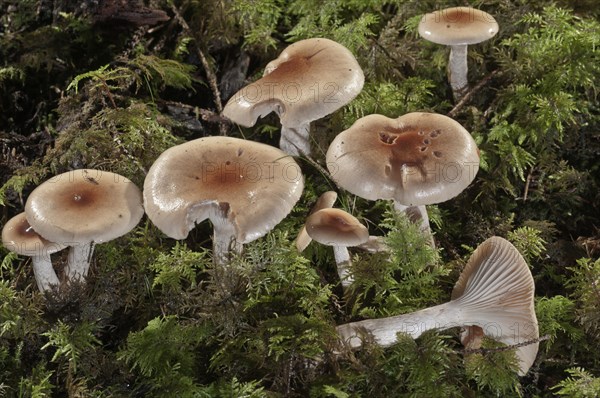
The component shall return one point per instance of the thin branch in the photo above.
(507, 348)
(210, 75)
(463, 101)
(527, 183)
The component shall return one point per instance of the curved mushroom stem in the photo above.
(384, 330)
(78, 264)
(458, 68)
(343, 262)
(294, 140)
(44, 274)
(417, 215)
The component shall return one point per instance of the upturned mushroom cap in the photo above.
(416, 159)
(309, 80)
(498, 280)
(326, 200)
(494, 296)
(250, 185)
(84, 206)
(335, 227)
(458, 26)
(18, 236)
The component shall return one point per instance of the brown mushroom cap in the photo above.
(250, 185)
(326, 200)
(18, 236)
(309, 80)
(458, 26)
(416, 159)
(335, 227)
(84, 206)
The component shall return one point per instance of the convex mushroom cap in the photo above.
(84, 206)
(248, 185)
(458, 26)
(416, 159)
(335, 227)
(309, 80)
(18, 236)
(326, 200)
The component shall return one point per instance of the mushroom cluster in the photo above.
(246, 188)
(76, 209)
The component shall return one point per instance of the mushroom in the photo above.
(416, 160)
(19, 237)
(309, 80)
(458, 27)
(337, 228)
(494, 294)
(245, 188)
(83, 207)
(326, 200)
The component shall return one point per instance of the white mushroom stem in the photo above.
(384, 330)
(80, 255)
(44, 274)
(343, 262)
(417, 215)
(224, 242)
(295, 140)
(458, 69)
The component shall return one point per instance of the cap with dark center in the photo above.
(337, 228)
(458, 25)
(19, 237)
(309, 80)
(416, 159)
(326, 200)
(83, 207)
(245, 188)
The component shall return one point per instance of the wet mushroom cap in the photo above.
(335, 227)
(84, 206)
(458, 26)
(18, 236)
(416, 159)
(251, 185)
(309, 80)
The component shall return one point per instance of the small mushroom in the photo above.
(494, 294)
(19, 237)
(337, 228)
(458, 27)
(416, 160)
(245, 188)
(326, 200)
(309, 80)
(83, 207)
